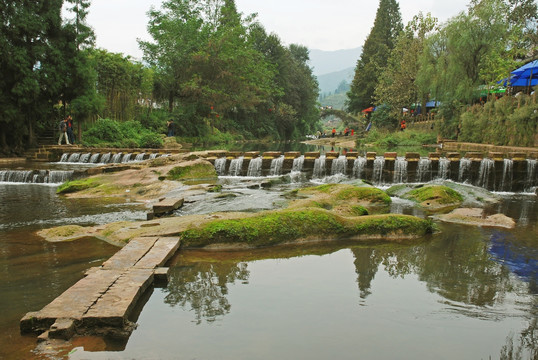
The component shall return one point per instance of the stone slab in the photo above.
(167, 205)
(130, 254)
(163, 249)
(114, 307)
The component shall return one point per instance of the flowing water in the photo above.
(465, 293)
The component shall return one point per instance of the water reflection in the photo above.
(203, 287)
(456, 266)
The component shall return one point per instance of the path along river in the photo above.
(465, 293)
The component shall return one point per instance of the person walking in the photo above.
(70, 132)
(171, 127)
(334, 132)
(63, 132)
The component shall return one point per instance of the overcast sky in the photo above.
(317, 24)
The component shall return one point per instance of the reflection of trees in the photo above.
(456, 265)
(204, 286)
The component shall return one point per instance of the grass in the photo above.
(284, 226)
(77, 185)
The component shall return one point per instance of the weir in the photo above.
(36, 176)
(495, 172)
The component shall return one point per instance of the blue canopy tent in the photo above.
(527, 75)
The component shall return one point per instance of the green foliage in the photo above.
(284, 226)
(387, 139)
(506, 121)
(196, 171)
(359, 210)
(77, 185)
(112, 133)
(441, 194)
(375, 54)
(384, 118)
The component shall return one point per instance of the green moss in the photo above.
(284, 226)
(439, 193)
(395, 189)
(215, 188)
(325, 188)
(363, 193)
(77, 185)
(195, 171)
(359, 210)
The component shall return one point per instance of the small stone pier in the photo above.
(103, 300)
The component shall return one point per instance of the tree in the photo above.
(27, 67)
(397, 87)
(375, 54)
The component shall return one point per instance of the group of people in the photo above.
(66, 131)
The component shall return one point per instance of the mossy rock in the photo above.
(190, 171)
(342, 192)
(308, 224)
(435, 197)
(77, 185)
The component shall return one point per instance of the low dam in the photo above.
(494, 172)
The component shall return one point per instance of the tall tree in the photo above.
(375, 54)
(397, 87)
(26, 65)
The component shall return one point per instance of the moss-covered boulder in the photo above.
(287, 226)
(192, 170)
(77, 185)
(435, 197)
(342, 199)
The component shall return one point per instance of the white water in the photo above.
(255, 167)
(339, 165)
(319, 167)
(400, 170)
(276, 166)
(220, 166)
(424, 170)
(487, 167)
(358, 167)
(379, 164)
(465, 167)
(235, 167)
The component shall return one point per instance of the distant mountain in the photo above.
(325, 62)
(329, 83)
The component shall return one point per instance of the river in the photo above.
(465, 293)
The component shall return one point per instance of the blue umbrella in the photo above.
(527, 75)
(527, 70)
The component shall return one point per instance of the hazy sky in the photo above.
(317, 24)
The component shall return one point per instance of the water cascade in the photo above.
(339, 165)
(530, 180)
(105, 158)
(319, 167)
(424, 170)
(400, 170)
(94, 159)
(255, 167)
(508, 175)
(116, 158)
(235, 167)
(464, 172)
(84, 158)
(35, 176)
(220, 165)
(379, 164)
(153, 156)
(358, 167)
(126, 158)
(487, 167)
(64, 157)
(73, 158)
(444, 167)
(276, 166)
(298, 164)
(140, 157)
